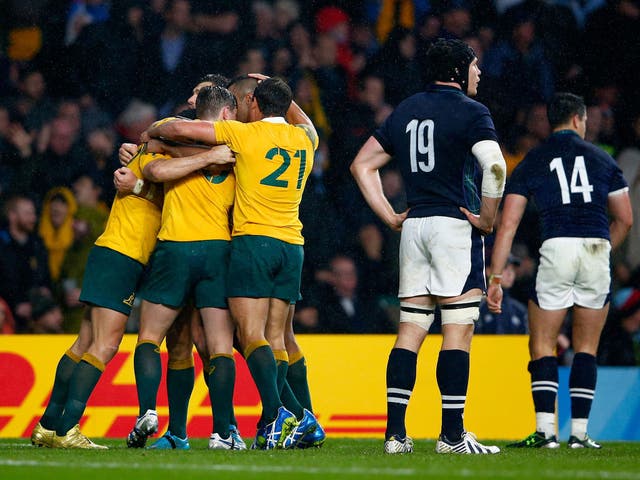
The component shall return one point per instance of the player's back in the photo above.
(273, 161)
(134, 221)
(570, 181)
(430, 135)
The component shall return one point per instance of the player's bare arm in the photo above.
(619, 206)
(185, 131)
(167, 169)
(514, 206)
(366, 170)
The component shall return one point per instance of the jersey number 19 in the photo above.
(418, 146)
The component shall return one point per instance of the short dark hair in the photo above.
(215, 79)
(563, 107)
(274, 97)
(211, 100)
(243, 84)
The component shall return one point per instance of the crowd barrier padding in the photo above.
(347, 381)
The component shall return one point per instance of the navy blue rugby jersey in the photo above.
(430, 135)
(570, 181)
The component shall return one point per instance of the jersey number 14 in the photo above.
(579, 179)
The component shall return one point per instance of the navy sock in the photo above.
(401, 378)
(452, 373)
(544, 383)
(582, 384)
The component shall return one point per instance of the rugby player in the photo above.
(438, 138)
(273, 160)
(190, 260)
(576, 187)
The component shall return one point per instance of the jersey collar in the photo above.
(566, 132)
(274, 120)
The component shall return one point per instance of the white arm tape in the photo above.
(137, 188)
(494, 168)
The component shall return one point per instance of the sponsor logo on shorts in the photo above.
(129, 301)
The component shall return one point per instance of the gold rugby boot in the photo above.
(75, 439)
(41, 437)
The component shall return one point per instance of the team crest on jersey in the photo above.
(129, 301)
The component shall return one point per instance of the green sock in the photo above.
(262, 366)
(148, 371)
(281, 368)
(222, 378)
(179, 387)
(54, 409)
(83, 381)
(297, 379)
(290, 401)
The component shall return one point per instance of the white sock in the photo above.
(579, 427)
(546, 423)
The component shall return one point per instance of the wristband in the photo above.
(495, 279)
(138, 186)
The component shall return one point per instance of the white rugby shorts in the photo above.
(573, 271)
(441, 256)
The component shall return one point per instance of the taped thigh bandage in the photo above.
(463, 312)
(420, 315)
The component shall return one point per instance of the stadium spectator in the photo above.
(344, 307)
(23, 259)
(629, 162)
(620, 344)
(7, 323)
(46, 316)
(88, 223)
(397, 64)
(173, 60)
(106, 53)
(56, 227)
(63, 158)
(517, 71)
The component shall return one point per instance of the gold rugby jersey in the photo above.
(134, 221)
(197, 207)
(273, 162)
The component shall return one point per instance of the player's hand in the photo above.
(220, 155)
(124, 180)
(126, 152)
(258, 76)
(396, 221)
(494, 298)
(477, 221)
(145, 137)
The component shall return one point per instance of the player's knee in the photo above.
(463, 312)
(420, 315)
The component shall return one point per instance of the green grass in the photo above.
(339, 459)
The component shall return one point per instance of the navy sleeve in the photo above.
(383, 135)
(617, 179)
(481, 126)
(517, 182)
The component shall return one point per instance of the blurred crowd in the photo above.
(77, 78)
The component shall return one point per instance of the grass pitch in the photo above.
(339, 459)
